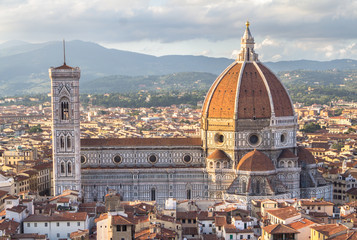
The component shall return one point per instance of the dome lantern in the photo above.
(247, 46)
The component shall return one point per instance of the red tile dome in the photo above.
(247, 89)
(255, 161)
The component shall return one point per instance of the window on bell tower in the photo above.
(69, 168)
(63, 170)
(69, 143)
(62, 143)
(64, 109)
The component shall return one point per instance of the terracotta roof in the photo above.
(43, 166)
(166, 218)
(17, 209)
(3, 193)
(352, 191)
(255, 161)
(284, 213)
(305, 156)
(253, 97)
(187, 215)
(65, 216)
(330, 229)
(315, 203)
(301, 223)
(63, 200)
(205, 215)
(94, 142)
(163, 233)
(210, 237)
(101, 217)
(230, 228)
(11, 197)
(220, 220)
(286, 153)
(218, 154)
(79, 233)
(9, 226)
(19, 178)
(121, 220)
(28, 236)
(350, 235)
(279, 228)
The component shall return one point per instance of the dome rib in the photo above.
(281, 99)
(211, 91)
(253, 98)
(267, 88)
(236, 104)
(222, 100)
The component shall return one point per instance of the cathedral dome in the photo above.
(247, 89)
(255, 161)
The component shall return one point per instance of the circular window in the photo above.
(117, 159)
(219, 138)
(152, 158)
(254, 139)
(187, 158)
(83, 159)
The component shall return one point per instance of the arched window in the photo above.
(69, 142)
(69, 168)
(290, 164)
(211, 165)
(281, 164)
(153, 194)
(62, 142)
(188, 193)
(225, 164)
(64, 109)
(244, 186)
(218, 165)
(63, 170)
(257, 187)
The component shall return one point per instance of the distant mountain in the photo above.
(24, 66)
(189, 81)
(340, 64)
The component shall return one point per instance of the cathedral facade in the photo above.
(247, 149)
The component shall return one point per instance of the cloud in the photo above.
(274, 24)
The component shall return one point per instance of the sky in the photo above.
(283, 29)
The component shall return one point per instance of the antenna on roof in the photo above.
(64, 52)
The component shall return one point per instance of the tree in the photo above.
(351, 130)
(337, 146)
(311, 127)
(35, 129)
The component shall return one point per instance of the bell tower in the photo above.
(65, 128)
